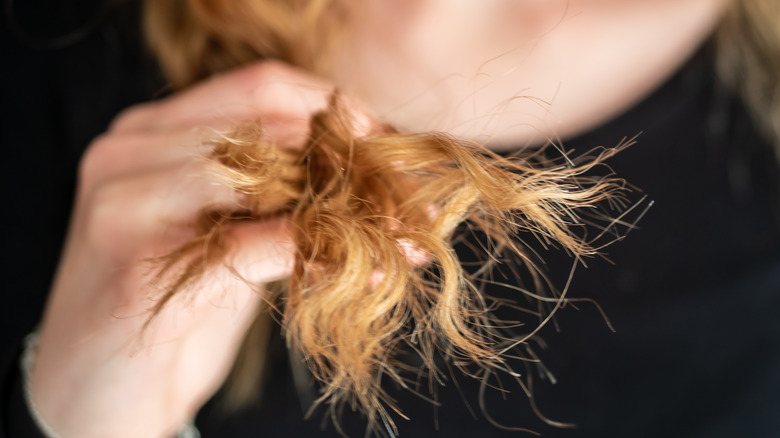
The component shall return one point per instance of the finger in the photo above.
(264, 89)
(121, 156)
(262, 251)
(113, 156)
(158, 206)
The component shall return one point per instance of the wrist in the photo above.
(38, 420)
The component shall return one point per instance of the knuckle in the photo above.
(133, 117)
(101, 159)
(277, 87)
(94, 161)
(264, 82)
(106, 215)
(262, 73)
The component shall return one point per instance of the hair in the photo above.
(374, 214)
(195, 39)
(748, 44)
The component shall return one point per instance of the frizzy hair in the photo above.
(373, 218)
(373, 211)
(748, 44)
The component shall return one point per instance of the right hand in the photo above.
(142, 184)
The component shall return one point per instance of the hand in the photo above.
(141, 187)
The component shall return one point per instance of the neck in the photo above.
(510, 73)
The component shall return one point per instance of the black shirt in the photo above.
(691, 293)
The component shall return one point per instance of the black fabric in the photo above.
(16, 419)
(53, 102)
(691, 293)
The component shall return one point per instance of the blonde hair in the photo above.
(373, 219)
(194, 39)
(748, 43)
(374, 213)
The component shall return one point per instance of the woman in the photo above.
(433, 55)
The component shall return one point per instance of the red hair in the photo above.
(373, 213)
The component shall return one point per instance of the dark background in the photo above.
(693, 294)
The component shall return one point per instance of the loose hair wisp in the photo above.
(373, 217)
(373, 212)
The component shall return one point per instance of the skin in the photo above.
(509, 73)
(142, 183)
